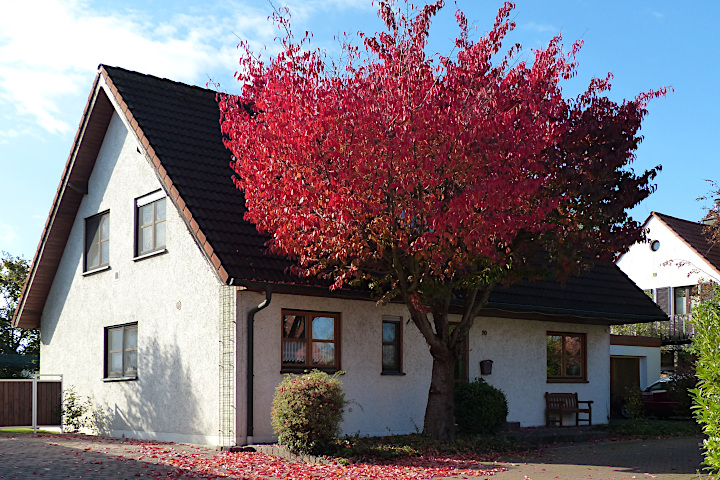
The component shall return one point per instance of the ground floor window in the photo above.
(121, 351)
(566, 357)
(310, 340)
(391, 345)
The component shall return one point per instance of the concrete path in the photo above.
(24, 456)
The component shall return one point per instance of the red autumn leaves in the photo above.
(459, 162)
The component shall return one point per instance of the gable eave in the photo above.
(70, 192)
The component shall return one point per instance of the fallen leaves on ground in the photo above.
(171, 461)
(262, 466)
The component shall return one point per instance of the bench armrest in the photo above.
(589, 402)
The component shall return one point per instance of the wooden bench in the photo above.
(561, 403)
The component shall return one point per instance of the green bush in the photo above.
(307, 411)
(632, 406)
(74, 410)
(706, 396)
(480, 408)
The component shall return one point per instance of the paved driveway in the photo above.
(75, 456)
(677, 458)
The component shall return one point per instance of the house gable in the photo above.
(682, 255)
(170, 298)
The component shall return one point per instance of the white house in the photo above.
(670, 267)
(155, 298)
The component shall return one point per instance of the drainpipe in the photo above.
(251, 358)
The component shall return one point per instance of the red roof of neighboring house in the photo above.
(178, 126)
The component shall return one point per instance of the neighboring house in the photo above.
(671, 266)
(155, 298)
(674, 262)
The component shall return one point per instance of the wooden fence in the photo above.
(16, 403)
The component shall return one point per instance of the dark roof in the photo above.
(182, 125)
(603, 292)
(178, 125)
(692, 233)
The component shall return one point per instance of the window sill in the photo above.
(393, 374)
(150, 254)
(567, 380)
(96, 270)
(302, 370)
(120, 379)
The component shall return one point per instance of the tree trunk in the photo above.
(440, 411)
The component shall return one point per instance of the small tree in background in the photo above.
(433, 179)
(307, 411)
(706, 396)
(19, 347)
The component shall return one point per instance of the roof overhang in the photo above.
(73, 187)
(493, 309)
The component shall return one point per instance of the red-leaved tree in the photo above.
(433, 179)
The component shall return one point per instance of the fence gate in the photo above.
(30, 403)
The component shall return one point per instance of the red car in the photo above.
(666, 397)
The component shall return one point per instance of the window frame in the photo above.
(153, 199)
(125, 373)
(309, 341)
(689, 294)
(88, 237)
(397, 343)
(563, 377)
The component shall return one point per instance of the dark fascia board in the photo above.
(73, 184)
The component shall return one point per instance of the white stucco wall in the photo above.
(649, 358)
(674, 264)
(518, 350)
(173, 297)
(383, 405)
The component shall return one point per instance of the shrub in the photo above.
(632, 406)
(74, 410)
(307, 411)
(706, 396)
(480, 408)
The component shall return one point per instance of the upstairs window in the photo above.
(97, 241)
(684, 299)
(150, 223)
(310, 340)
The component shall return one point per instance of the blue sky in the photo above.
(50, 49)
